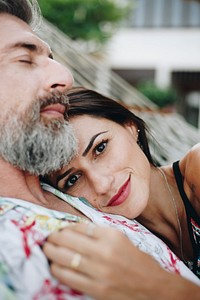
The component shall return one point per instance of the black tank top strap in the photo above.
(192, 220)
(179, 181)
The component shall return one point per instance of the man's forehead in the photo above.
(14, 31)
(27, 42)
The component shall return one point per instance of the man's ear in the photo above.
(133, 130)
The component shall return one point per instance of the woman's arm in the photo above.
(111, 268)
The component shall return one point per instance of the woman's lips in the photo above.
(122, 194)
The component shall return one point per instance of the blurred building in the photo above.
(161, 42)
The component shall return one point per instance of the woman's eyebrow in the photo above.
(61, 176)
(89, 146)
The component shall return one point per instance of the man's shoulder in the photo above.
(28, 215)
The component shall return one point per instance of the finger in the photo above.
(87, 230)
(76, 281)
(106, 241)
(90, 229)
(64, 258)
(59, 255)
(83, 238)
(93, 231)
(99, 289)
(75, 241)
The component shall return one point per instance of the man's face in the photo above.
(32, 101)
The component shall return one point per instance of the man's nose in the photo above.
(58, 77)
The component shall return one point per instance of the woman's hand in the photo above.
(104, 264)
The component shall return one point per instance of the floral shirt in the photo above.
(24, 270)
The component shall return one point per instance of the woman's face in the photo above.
(110, 170)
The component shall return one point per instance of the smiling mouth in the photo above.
(55, 110)
(121, 195)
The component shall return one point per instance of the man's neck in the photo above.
(15, 183)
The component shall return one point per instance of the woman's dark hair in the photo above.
(26, 10)
(84, 101)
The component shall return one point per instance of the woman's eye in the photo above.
(72, 180)
(100, 147)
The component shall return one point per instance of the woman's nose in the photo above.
(58, 77)
(102, 183)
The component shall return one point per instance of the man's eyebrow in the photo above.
(31, 47)
(89, 146)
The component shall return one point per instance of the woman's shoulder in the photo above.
(190, 170)
(194, 151)
(191, 161)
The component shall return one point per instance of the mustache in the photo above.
(55, 97)
(32, 112)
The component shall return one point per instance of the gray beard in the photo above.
(34, 144)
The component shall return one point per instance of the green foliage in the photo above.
(85, 19)
(160, 96)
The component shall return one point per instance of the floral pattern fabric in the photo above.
(24, 269)
(137, 233)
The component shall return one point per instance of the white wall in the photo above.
(164, 50)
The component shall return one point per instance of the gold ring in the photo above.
(75, 262)
(90, 230)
